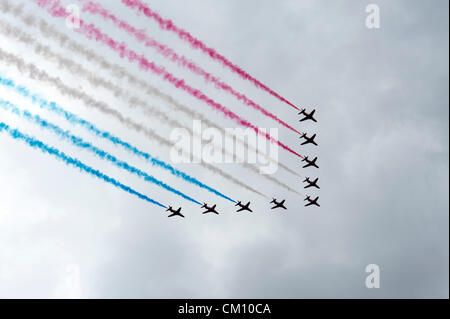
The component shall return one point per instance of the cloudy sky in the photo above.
(382, 103)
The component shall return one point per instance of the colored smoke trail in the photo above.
(35, 73)
(75, 120)
(141, 36)
(79, 142)
(77, 69)
(195, 43)
(121, 73)
(91, 32)
(97, 81)
(71, 161)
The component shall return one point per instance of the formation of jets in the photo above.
(310, 163)
(276, 204)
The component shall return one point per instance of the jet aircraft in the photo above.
(308, 140)
(310, 162)
(311, 183)
(211, 209)
(312, 201)
(174, 212)
(243, 207)
(307, 116)
(278, 204)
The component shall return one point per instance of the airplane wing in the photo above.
(303, 119)
(310, 185)
(305, 142)
(172, 215)
(309, 204)
(312, 113)
(240, 210)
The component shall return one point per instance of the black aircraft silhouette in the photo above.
(243, 207)
(310, 163)
(308, 140)
(174, 212)
(278, 204)
(311, 183)
(312, 201)
(309, 116)
(210, 209)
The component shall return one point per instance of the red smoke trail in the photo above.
(90, 31)
(197, 44)
(141, 36)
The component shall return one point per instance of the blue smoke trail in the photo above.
(75, 120)
(35, 143)
(77, 141)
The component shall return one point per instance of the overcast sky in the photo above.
(382, 103)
